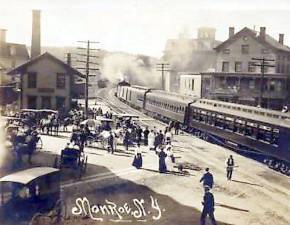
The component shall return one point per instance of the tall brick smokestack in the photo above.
(35, 39)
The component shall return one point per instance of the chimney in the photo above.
(281, 39)
(35, 39)
(231, 32)
(262, 33)
(2, 37)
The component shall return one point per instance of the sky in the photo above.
(138, 26)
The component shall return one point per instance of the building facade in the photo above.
(238, 78)
(11, 55)
(46, 83)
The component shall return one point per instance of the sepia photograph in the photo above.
(143, 112)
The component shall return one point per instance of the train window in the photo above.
(250, 111)
(262, 113)
(252, 124)
(234, 107)
(239, 108)
(229, 118)
(245, 110)
(265, 134)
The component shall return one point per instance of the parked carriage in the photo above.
(27, 193)
(73, 158)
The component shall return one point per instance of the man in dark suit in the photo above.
(207, 178)
(208, 207)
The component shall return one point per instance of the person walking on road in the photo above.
(111, 143)
(146, 133)
(151, 140)
(207, 179)
(162, 156)
(176, 127)
(208, 207)
(137, 162)
(230, 167)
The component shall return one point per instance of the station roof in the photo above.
(28, 175)
(22, 68)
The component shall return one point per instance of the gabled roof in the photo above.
(241, 33)
(22, 68)
(269, 41)
(14, 50)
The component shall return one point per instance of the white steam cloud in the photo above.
(135, 69)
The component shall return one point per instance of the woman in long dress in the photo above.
(151, 138)
(138, 161)
(169, 158)
(162, 156)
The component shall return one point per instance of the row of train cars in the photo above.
(258, 133)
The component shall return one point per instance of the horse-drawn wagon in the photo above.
(73, 158)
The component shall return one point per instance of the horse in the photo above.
(25, 145)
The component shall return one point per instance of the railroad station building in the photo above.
(46, 83)
(237, 79)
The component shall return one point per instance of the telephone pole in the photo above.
(163, 67)
(87, 68)
(264, 63)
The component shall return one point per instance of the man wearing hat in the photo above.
(208, 207)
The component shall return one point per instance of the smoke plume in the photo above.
(135, 69)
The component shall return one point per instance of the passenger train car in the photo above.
(167, 106)
(239, 127)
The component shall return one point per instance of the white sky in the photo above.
(138, 26)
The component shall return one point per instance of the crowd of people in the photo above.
(278, 166)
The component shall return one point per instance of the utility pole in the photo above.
(87, 69)
(163, 67)
(264, 63)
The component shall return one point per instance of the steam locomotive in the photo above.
(261, 133)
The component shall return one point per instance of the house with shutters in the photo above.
(236, 77)
(46, 83)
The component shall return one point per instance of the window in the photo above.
(60, 102)
(45, 102)
(251, 67)
(31, 102)
(238, 66)
(245, 49)
(226, 51)
(225, 66)
(272, 85)
(31, 80)
(60, 80)
(251, 84)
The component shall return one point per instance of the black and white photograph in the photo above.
(143, 112)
